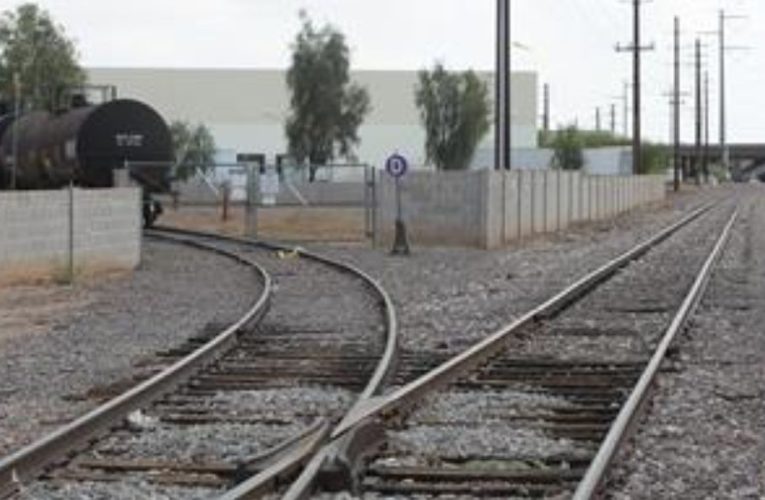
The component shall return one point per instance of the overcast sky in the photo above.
(570, 43)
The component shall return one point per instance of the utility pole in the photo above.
(725, 151)
(613, 119)
(624, 98)
(546, 116)
(502, 139)
(706, 126)
(697, 160)
(723, 135)
(597, 119)
(676, 104)
(636, 50)
(626, 110)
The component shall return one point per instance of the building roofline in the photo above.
(233, 69)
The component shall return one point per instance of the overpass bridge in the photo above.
(747, 160)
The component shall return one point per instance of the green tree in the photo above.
(454, 108)
(567, 147)
(33, 46)
(653, 159)
(326, 107)
(569, 142)
(194, 148)
(588, 138)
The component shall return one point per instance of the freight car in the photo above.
(86, 145)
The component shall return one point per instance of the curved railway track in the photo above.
(538, 409)
(237, 412)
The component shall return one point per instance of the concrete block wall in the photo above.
(489, 209)
(34, 230)
(444, 208)
(538, 202)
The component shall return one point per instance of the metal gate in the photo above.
(325, 203)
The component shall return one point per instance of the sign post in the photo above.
(397, 167)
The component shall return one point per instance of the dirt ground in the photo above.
(33, 298)
(30, 309)
(280, 223)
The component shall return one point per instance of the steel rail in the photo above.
(451, 370)
(359, 430)
(631, 410)
(386, 366)
(311, 454)
(28, 462)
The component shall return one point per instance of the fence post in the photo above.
(546, 201)
(557, 203)
(533, 202)
(370, 200)
(250, 205)
(520, 204)
(70, 253)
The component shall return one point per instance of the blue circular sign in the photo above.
(397, 165)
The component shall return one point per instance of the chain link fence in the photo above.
(282, 202)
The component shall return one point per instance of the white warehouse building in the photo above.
(246, 108)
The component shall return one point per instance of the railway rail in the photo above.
(288, 375)
(539, 408)
(564, 413)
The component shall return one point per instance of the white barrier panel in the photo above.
(489, 209)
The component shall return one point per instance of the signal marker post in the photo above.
(397, 166)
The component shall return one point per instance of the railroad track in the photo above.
(233, 413)
(540, 408)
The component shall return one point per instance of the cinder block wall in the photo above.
(489, 209)
(34, 230)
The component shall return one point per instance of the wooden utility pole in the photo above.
(697, 159)
(636, 50)
(626, 110)
(598, 127)
(724, 149)
(613, 119)
(502, 139)
(546, 116)
(676, 103)
(723, 136)
(706, 126)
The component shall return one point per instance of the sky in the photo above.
(570, 43)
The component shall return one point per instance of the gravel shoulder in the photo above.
(704, 435)
(95, 334)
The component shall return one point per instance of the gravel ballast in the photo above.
(449, 298)
(173, 295)
(704, 434)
